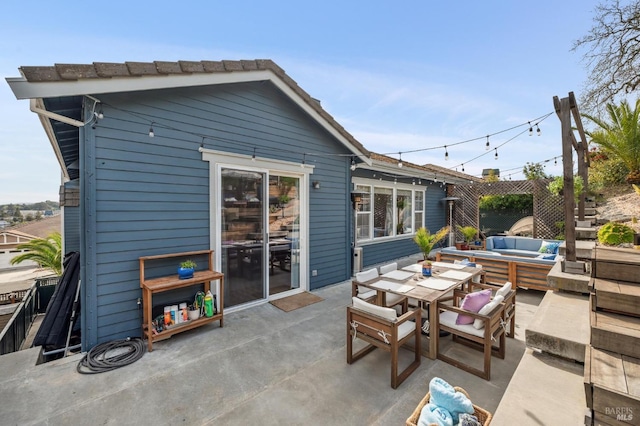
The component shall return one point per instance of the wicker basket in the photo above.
(483, 415)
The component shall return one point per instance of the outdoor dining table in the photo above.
(445, 277)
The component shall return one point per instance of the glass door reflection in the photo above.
(284, 233)
(244, 249)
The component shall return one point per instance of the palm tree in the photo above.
(620, 136)
(426, 240)
(46, 252)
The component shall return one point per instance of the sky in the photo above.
(399, 76)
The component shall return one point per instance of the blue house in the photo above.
(233, 156)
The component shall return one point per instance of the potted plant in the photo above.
(426, 241)
(186, 269)
(469, 233)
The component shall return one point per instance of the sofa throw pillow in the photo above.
(478, 323)
(473, 302)
(548, 247)
(499, 243)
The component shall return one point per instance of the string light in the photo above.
(413, 182)
(419, 181)
(400, 160)
(446, 154)
(395, 181)
(538, 129)
(303, 160)
(496, 155)
(353, 164)
(463, 167)
(555, 161)
(253, 157)
(486, 146)
(530, 129)
(151, 134)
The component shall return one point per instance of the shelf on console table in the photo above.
(172, 282)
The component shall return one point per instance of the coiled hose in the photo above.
(98, 360)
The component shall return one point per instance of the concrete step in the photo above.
(621, 297)
(615, 333)
(588, 211)
(584, 249)
(577, 283)
(586, 234)
(561, 325)
(544, 390)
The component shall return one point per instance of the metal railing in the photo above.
(34, 301)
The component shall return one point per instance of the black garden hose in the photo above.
(97, 360)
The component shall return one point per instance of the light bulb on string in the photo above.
(486, 146)
(496, 155)
(353, 164)
(151, 132)
(446, 154)
(303, 160)
(463, 167)
(530, 129)
(395, 180)
(413, 182)
(419, 181)
(253, 157)
(555, 161)
(400, 159)
(538, 131)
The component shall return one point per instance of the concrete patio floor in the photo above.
(265, 366)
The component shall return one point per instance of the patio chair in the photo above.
(391, 299)
(364, 293)
(487, 328)
(381, 328)
(369, 295)
(509, 294)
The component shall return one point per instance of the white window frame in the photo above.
(371, 184)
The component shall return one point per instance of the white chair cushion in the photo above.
(388, 268)
(448, 318)
(405, 329)
(478, 323)
(504, 290)
(393, 299)
(380, 311)
(366, 294)
(367, 275)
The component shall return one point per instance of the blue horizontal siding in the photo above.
(150, 196)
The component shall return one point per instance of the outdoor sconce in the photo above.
(316, 184)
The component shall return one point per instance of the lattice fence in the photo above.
(547, 208)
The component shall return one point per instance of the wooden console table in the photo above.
(171, 282)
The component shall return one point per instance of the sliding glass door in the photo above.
(259, 234)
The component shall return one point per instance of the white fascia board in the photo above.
(48, 129)
(23, 89)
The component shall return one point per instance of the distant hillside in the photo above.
(42, 206)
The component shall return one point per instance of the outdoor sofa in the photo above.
(515, 259)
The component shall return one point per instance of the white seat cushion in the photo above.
(367, 275)
(405, 329)
(380, 311)
(448, 318)
(366, 294)
(393, 299)
(388, 268)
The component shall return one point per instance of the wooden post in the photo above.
(563, 109)
(583, 154)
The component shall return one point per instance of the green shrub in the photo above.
(606, 173)
(614, 233)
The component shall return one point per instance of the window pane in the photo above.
(403, 204)
(419, 222)
(365, 204)
(383, 212)
(419, 200)
(363, 226)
